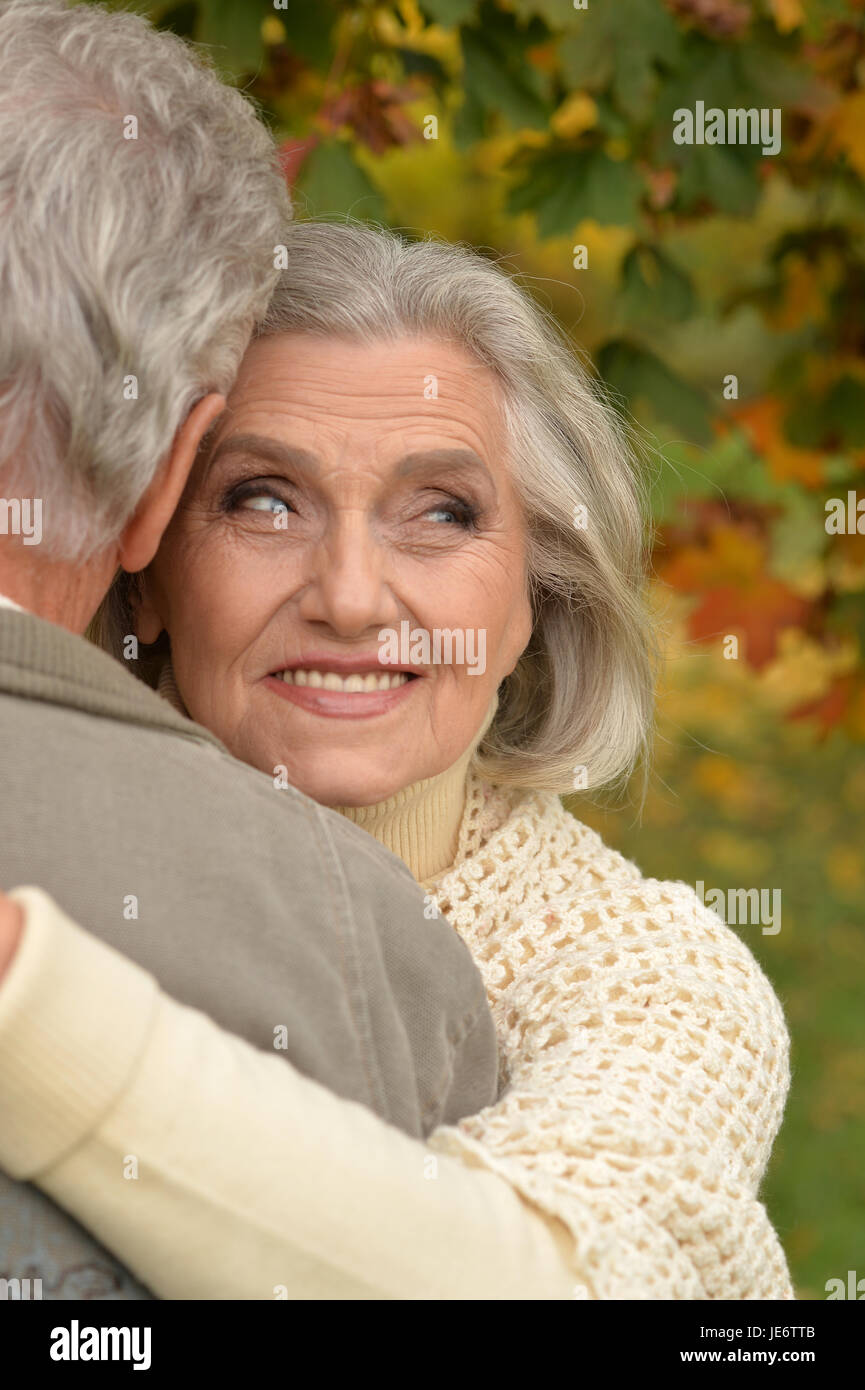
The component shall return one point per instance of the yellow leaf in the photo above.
(411, 16)
(787, 14)
(803, 670)
(577, 113)
(847, 129)
(617, 149)
(272, 30)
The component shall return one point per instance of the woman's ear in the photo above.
(520, 628)
(147, 620)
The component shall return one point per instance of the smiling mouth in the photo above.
(361, 689)
(353, 683)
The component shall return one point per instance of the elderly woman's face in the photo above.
(352, 491)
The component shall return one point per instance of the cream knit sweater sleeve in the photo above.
(646, 1056)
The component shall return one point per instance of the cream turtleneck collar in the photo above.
(421, 822)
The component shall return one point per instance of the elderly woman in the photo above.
(410, 450)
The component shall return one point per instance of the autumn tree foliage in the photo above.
(732, 282)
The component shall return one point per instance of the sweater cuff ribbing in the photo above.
(63, 1064)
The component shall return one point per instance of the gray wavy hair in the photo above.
(581, 695)
(147, 257)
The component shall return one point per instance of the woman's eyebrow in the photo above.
(271, 450)
(455, 460)
(291, 455)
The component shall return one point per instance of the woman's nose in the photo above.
(348, 587)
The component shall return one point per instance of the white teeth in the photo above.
(355, 684)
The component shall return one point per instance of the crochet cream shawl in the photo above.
(645, 1057)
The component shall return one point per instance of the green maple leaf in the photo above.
(331, 181)
(448, 12)
(620, 46)
(563, 187)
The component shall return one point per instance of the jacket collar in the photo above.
(41, 661)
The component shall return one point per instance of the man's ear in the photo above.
(142, 534)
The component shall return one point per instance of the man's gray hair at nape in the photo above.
(140, 204)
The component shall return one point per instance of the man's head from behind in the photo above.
(140, 203)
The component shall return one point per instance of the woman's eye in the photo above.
(260, 502)
(455, 513)
(263, 502)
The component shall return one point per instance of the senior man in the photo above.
(140, 205)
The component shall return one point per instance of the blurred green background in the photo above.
(541, 132)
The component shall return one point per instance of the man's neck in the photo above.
(59, 591)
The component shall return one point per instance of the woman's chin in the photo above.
(337, 787)
(354, 794)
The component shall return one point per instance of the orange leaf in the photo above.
(758, 615)
(292, 154)
(831, 708)
(731, 557)
(762, 421)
